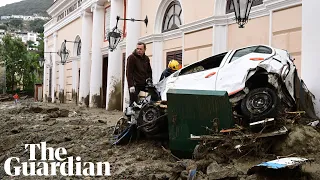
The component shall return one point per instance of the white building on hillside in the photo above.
(24, 36)
(25, 18)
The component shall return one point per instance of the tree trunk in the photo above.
(12, 79)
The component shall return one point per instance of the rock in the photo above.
(177, 168)
(50, 110)
(214, 167)
(67, 138)
(140, 158)
(54, 115)
(73, 114)
(101, 121)
(152, 177)
(64, 113)
(48, 140)
(46, 118)
(184, 175)
(110, 152)
(35, 109)
(216, 157)
(2, 158)
(215, 171)
(203, 164)
(301, 140)
(15, 130)
(252, 177)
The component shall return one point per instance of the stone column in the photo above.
(310, 50)
(220, 39)
(220, 32)
(96, 64)
(157, 63)
(54, 59)
(85, 59)
(75, 77)
(45, 82)
(114, 62)
(133, 34)
(61, 82)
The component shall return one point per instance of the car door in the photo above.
(232, 76)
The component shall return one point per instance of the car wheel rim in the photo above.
(150, 115)
(259, 103)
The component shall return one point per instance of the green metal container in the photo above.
(190, 112)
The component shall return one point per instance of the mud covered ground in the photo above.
(87, 133)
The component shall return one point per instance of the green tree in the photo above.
(13, 53)
(4, 27)
(16, 23)
(30, 71)
(40, 53)
(21, 66)
(37, 25)
(41, 45)
(30, 43)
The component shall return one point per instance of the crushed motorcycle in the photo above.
(145, 119)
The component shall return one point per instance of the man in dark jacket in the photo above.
(138, 71)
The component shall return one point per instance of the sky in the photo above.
(4, 2)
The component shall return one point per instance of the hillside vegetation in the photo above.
(26, 8)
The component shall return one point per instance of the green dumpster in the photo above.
(190, 112)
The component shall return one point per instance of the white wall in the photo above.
(310, 69)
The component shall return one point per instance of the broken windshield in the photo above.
(209, 63)
(256, 49)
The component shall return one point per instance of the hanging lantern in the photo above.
(242, 10)
(63, 53)
(114, 37)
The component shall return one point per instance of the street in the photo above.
(87, 133)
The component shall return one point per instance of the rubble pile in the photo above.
(5, 97)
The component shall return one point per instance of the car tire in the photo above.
(260, 103)
(149, 114)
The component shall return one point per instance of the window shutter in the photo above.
(176, 55)
(179, 57)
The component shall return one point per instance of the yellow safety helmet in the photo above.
(174, 65)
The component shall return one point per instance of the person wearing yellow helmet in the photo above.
(173, 66)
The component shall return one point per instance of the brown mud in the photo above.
(86, 132)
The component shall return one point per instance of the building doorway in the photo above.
(104, 82)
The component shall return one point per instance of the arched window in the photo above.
(230, 8)
(77, 46)
(172, 17)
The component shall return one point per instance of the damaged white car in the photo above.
(260, 80)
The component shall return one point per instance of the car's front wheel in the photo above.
(260, 103)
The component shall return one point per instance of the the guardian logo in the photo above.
(50, 167)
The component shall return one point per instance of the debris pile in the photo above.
(5, 97)
(239, 153)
